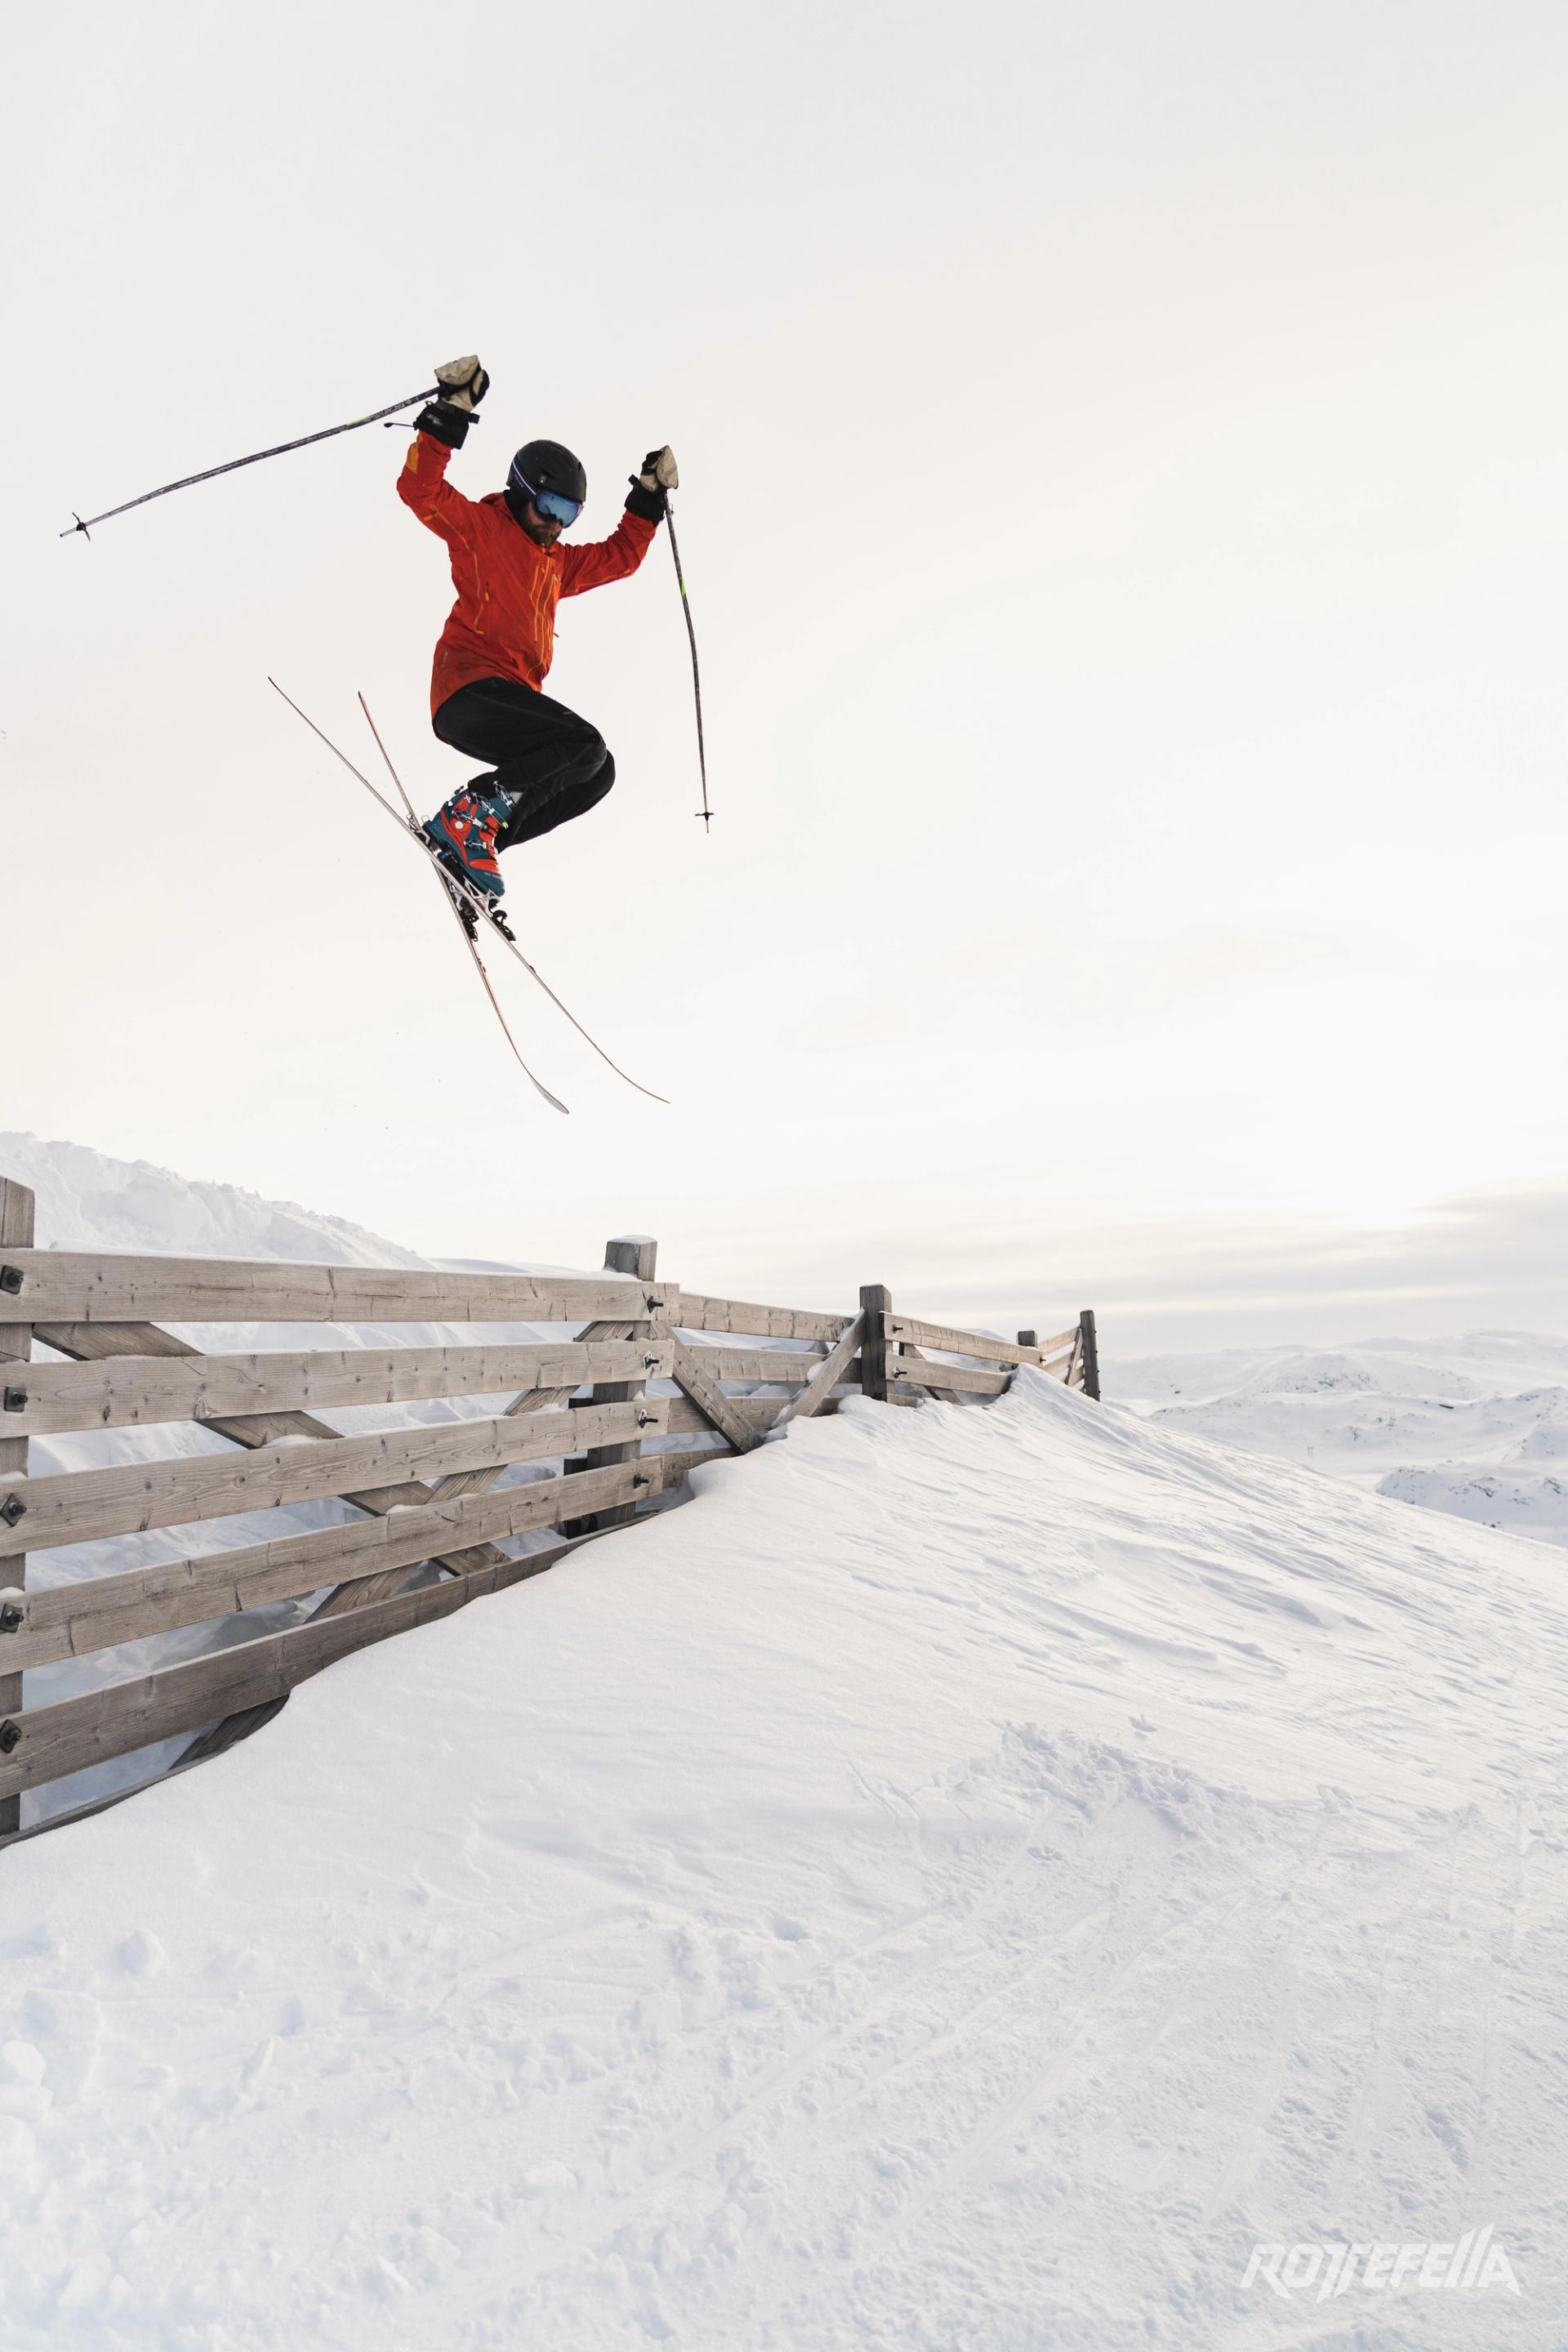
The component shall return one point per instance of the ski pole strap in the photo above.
(705, 812)
(281, 450)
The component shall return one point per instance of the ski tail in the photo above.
(554, 1100)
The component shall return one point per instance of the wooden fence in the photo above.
(605, 1409)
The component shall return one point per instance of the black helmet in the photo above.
(544, 465)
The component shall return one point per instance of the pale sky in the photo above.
(1125, 469)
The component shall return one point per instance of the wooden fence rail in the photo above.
(131, 1392)
(597, 1417)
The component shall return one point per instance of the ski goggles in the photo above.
(564, 511)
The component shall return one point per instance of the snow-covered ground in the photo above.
(1475, 1426)
(953, 1886)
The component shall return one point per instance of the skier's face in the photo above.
(543, 528)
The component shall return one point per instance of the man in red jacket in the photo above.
(544, 763)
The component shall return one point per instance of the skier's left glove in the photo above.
(649, 493)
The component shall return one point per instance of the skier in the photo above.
(545, 764)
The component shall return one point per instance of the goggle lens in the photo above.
(564, 511)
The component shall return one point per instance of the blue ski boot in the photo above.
(463, 835)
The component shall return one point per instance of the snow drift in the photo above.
(954, 1887)
(86, 1200)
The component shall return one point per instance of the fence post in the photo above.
(16, 1346)
(628, 1254)
(876, 1305)
(1091, 1347)
(1027, 1339)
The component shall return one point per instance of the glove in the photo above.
(444, 421)
(649, 493)
(463, 382)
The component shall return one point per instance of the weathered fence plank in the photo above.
(67, 1621)
(676, 1464)
(876, 1354)
(637, 1256)
(948, 1342)
(73, 1733)
(15, 1344)
(780, 1367)
(97, 1342)
(917, 1371)
(1090, 1354)
(758, 1412)
(140, 1391)
(710, 1399)
(829, 1372)
(78, 1287)
(80, 1506)
(699, 1313)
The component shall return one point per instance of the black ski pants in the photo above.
(551, 764)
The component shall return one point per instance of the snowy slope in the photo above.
(1475, 1426)
(952, 1888)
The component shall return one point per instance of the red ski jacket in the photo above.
(503, 623)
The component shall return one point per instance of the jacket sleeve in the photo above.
(425, 492)
(605, 559)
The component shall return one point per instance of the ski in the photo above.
(463, 893)
(452, 884)
(410, 825)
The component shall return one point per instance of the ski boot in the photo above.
(463, 835)
(461, 892)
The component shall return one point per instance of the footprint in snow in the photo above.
(141, 1955)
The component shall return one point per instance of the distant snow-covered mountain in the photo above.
(1475, 1426)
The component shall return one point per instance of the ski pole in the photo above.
(705, 812)
(281, 450)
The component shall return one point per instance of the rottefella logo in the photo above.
(1474, 2264)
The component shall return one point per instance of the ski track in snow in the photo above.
(950, 1889)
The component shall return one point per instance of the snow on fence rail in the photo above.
(430, 1497)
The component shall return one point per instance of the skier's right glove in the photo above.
(444, 421)
(464, 384)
